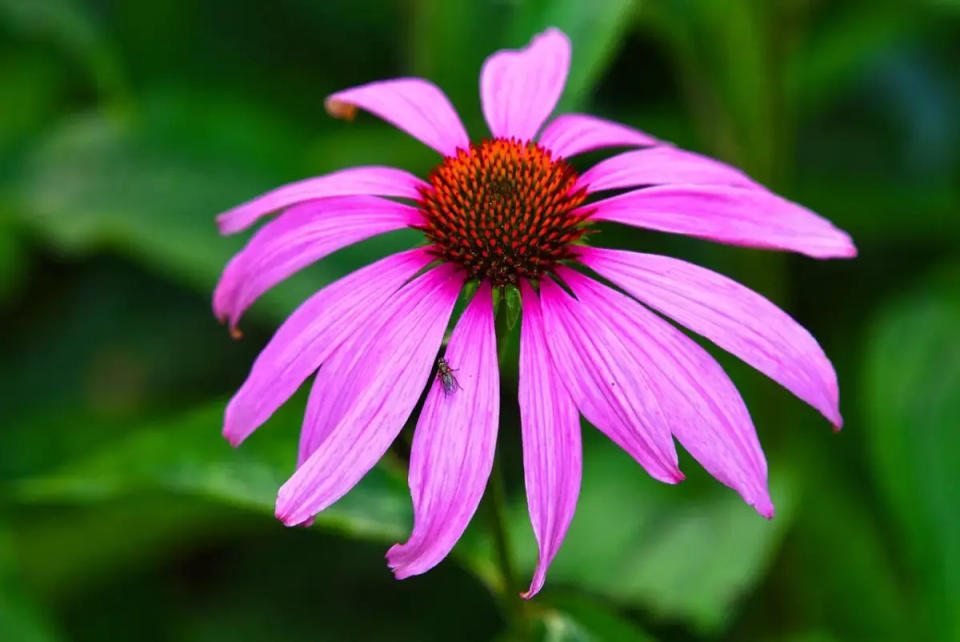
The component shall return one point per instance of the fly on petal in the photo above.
(446, 377)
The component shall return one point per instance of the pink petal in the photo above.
(328, 400)
(573, 134)
(385, 382)
(303, 234)
(333, 391)
(519, 88)
(701, 404)
(734, 215)
(454, 443)
(310, 334)
(734, 317)
(663, 165)
(551, 441)
(607, 383)
(416, 106)
(375, 181)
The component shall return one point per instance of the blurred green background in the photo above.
(126, 126)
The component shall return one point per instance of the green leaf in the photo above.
(722, 53)
(871, 209)
(948, 7)
(98, 183)
(688, 551)
(596, 30)
(13, 261)
(186, 455)
(31, 87)
(837, 535)
(813, 636)
(574, 618)
(912, 375)
(70, 26)
(21, 619)
(843, 48)
(66, 546)
(450, 41)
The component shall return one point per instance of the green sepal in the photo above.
(512, 297)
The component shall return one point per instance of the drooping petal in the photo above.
(303, 234)
(734, 215)
(606, 383)
(662, 165)
(371, 181)
(334, 391)
(414, 105)
(573, 134)
(310, 335)
(454, 443)
(701, 404)
(385, 381)
(734, 317)
(519, 88)
(328, 399)
(550, 425)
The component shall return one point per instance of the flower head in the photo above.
(503, 210)
(510, 210)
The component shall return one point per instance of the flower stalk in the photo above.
(499, 530)
(497, 493)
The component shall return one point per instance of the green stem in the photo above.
(496, 492)
(504, 334)
(497, 498)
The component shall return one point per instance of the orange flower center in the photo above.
(502, 210)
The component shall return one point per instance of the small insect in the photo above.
(448, 382)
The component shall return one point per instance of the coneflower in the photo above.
(505, 212)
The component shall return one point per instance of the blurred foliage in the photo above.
(125, 127)
(913, 379)
(681, 555)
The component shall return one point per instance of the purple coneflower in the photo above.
(509, 211)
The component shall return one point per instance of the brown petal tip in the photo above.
(340, 109)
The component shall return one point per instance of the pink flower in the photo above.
(509, 211)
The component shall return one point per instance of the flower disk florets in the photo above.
(503, 210)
